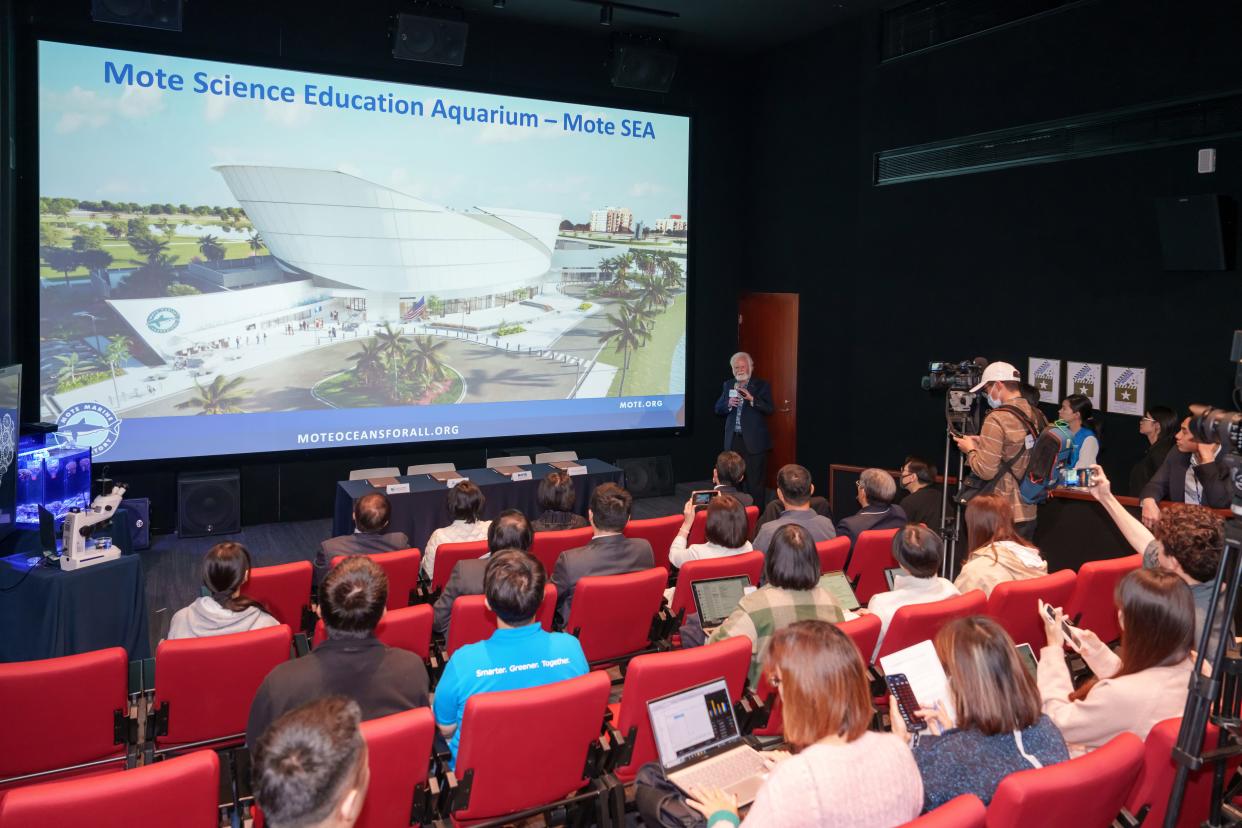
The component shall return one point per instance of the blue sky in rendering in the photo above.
(104, 141)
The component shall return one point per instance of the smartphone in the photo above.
(1073, 477)
(899, 687)
(701, 498)
(890, 576)
(1066, 629)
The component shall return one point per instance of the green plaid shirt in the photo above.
(767, 610)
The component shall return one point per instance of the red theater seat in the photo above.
(659, 532)
(833, 554)
(472, 621)
(611, 614)
(873, 553)
(749, 564)
(408, 628)
(965, 811)
(921, 622)
(1015, 604)
(283, 590)
(447, 556)
(548, 546)
(1091, 606)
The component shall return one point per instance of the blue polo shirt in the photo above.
(511, 659)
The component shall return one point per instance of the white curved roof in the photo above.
(345, 229)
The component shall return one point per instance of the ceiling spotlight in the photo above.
(605, 15)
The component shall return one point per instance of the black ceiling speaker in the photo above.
(647, 66)
(430, 39)
(153, 14)
(647, 476)
(208, 503)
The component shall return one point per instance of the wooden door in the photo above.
(767, 329)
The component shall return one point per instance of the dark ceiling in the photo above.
(734, 26)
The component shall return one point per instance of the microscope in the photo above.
(79, 550)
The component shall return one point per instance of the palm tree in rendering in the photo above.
(369, 361)
(393, 347)
(71, 364)
(629, 332)
(211, 248)
(426, 357)
(221, 397)
(654, 292)
(672, 270)
(255, 241)
(117, 353)
(149, 247)
(620, 279)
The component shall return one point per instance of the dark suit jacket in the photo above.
(466, 579)
(872, 517)
(1170, 481)
(383, 680)
(754, 421)
(743, 498)
(1144, 470)
(923, 506)
(358, 543)
(606, 555)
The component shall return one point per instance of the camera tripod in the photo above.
(961, 417)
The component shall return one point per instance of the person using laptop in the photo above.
(790, 593)
(919, 553)
(844, 775)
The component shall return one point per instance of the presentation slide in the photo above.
(10, 417)
(239, 259)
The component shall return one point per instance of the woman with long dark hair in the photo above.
(997, 552)
(1084, 426)
(1158, 425)
(225, 569)
(1133, 690)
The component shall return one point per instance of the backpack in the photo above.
(1031, 488)
(1049, 455)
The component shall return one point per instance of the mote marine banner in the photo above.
(239, 259)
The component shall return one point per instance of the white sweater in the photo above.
(907, 590)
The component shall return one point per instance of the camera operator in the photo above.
(1195, 473)
(1000, 452)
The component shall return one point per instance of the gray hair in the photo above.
(879, 485)
(749, 360)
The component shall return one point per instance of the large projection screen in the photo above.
(238, 259)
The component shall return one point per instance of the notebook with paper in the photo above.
(699, 744)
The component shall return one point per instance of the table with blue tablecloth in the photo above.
(422, 510)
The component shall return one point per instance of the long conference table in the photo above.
(422, 509)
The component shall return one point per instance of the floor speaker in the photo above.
(648, 476)
(140, 524)
(208, 503)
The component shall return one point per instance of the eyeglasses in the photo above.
(1147, 419)
(858, 483)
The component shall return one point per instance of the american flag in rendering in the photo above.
(417, 311)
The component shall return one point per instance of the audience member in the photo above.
(875, 494)
(794, 490)
(513, 584)
(724, 525)
(310, 767)
(774, 509)
(465, 503)
(790, 593)
(608, 553)
(999, 453)
(1159, 425)
(1188, 541)
(556, 504)
(729, 472)
(1194, 474)
(997, 552)
(1031, 394)
(352, 662)
(371, 515)
(919, 553)
(510, 530)
(1144, 684)
(995, 727)
(844, 775)
(225, 569)
(1079, 415)
(924, 498)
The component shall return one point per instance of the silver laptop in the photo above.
(716, 598)
(697, 739)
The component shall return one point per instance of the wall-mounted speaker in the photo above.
(430, 39)
(152, 14)
(646, 66)
(208, 503)
(648, 476)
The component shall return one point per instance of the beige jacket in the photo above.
(1002, 437)
(1134, 703)
(999, 562)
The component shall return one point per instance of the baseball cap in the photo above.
(998, 372)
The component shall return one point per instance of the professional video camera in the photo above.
(1215, 425)
(962, 376)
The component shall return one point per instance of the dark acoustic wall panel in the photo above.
(1192, 232)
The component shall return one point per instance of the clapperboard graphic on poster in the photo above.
(1084, 378)
(1045, 375)
(1127, 390)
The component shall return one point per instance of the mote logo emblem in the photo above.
(163, 320)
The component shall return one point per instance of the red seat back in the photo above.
(176, 793)
(1093, 595)
(1087, 791)
(833, 554)
(546, 732)
(873, 553)
(965, 811)
(921, 622)
(41, 734)
(1155, 783)
(399, 754)
(657, 674)
(472, 621)
(749, 564)
(209, 683)
(611, 614)
(401, 567)
(752, 518)
(447, 556)
(1015, 604)
(407, 628)
(659, 532)
(283, 590)
(548, 546)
